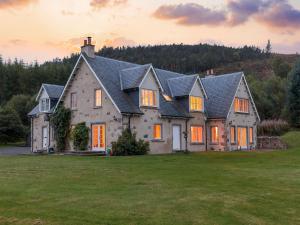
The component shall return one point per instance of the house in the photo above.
(170, 110)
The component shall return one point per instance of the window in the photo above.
(157, 132)
(167, 98)
(232, 135)
(148, 98)
(241, 105)
(73, 100)
(98, 98)
(251, 135)
(196, 134)
(214, 133)
(45, 104)
(196, 103)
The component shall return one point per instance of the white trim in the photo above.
(155, 75)
(255, 109)
(244, 79)
(40, 91)
(203, 90)
(71, 75)
(101, 84)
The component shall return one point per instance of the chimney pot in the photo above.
(85, 43)
(89, 40)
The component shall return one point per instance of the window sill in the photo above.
(195, 143)
(149, 107)
(97, 107)
(245, 113)
(157, 140)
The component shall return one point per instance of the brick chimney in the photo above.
(88, 48)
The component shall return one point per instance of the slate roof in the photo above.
(132, 77)
(181, 86)
(54, 91)
(36, 110)
(115, 75)
(220, 91)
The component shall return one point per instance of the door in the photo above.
(176, 137)
(45, 138)
(242, 138)
(98, 137)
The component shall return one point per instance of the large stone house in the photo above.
(172, 111)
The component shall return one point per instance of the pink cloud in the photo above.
(15, 3)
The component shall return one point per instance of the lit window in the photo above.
(214, 132)
(98, 98)
(196, 103)
(157, 134)
(251, 135)
(167, 98)
(232, 135)
(148, 98)
(241, 105)
(45, 105)
(197, 134)
(73, 100)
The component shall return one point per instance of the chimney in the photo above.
(210, 73)
(88, 48)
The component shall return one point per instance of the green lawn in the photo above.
(207, 188)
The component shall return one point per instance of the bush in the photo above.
(80, 136)
(60, 121)
(127, 144)
(273, 128)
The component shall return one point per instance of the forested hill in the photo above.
(266, 72)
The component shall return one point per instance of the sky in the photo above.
(43, 30)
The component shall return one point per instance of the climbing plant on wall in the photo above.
(60, 121)
(80, 136)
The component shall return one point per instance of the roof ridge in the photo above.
(117, 60)
(184, 76)
(131, 68)
(53, 85)
(223, 75)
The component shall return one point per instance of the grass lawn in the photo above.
(207, 188)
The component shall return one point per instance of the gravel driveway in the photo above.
(14, 151)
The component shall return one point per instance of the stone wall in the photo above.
(271, 143)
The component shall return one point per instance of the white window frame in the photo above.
(45, 105)
(73, 101)
(95, 98)
(202, 136)
(190, 104)
(155, 99)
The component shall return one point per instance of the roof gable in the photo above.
(220, 92)
(53, 91)
(132, 77)
(181, 86)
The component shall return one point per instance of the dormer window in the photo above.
(196, 104)
(45, 105)
(148, 98)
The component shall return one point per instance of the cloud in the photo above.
(190, 14)
(17, 42)
(68, 13)
(119, 42)
(99, 4)
(15, 3)
(271, 13)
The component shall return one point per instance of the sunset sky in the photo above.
(42, 29)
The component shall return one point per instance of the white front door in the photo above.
(45, 137)
(98, 137)
(176, 137)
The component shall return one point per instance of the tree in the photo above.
(11, 128)
(280, 67)
(268, 48)
(293, 103)
(22, 104)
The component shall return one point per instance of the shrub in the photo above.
(60, 121)
(127, 144)
(80, 136)
(273, 128)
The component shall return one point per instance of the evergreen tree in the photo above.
(293, 103)
(268, 48)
